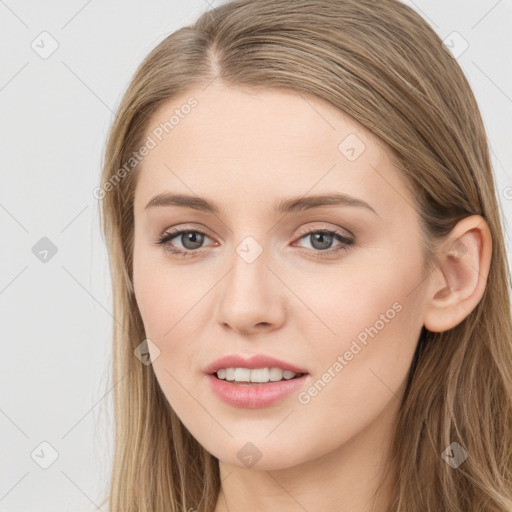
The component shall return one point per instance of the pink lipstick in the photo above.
(254, 382)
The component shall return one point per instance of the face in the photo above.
(331, 287)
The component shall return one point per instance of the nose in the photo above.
(250, 297)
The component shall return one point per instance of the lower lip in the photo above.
(254, 396)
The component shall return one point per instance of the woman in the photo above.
(310, 280)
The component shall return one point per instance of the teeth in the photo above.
(242, 375)
(260, 375)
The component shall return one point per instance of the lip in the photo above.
(251, 362)
(254, 396)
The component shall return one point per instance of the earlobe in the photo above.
(458, 284)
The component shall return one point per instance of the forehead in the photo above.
(261, 143)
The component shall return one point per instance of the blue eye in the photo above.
(192, 240)
(186, 236)
(322, 239)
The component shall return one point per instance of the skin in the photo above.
(245, 150)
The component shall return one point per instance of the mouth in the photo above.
(240, 391)
(256, 376)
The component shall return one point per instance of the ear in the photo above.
(458, 283)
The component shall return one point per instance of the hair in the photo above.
(382, 64)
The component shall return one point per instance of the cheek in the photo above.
(165, 293)
(169, 304)
(370, 324)
(173, 305)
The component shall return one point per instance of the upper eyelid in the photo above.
(340, 231)
(302, 231)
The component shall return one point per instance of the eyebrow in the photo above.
(293, 204)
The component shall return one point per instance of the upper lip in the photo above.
(252, 362)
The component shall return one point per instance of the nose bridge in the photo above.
(248, 297)
(248, 278)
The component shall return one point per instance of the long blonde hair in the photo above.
(382, 64)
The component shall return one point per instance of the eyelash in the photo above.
(345, 243)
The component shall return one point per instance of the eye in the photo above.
(191, 241)
(321, 241)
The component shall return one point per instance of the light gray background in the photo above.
(56, 321)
